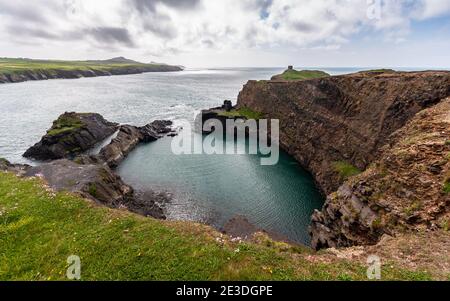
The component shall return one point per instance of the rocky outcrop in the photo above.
(129, 137)
(97, 182)
(343, 119)
(404, 189)
(367, 122)
(70, 135)
(92, 176)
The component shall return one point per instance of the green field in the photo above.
(10, 66)
(291, 75)
(40, 229)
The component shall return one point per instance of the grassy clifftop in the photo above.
(16, 70)
(39, 229)
(292, 75)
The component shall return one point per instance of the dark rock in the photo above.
(70, 135)
(227, 105)
(18, 169)
(99, 183)
(129, 137)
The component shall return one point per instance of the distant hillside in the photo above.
(21, 69)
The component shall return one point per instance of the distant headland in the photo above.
(14, 70)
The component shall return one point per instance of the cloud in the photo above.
(111, 35)
(150, 5)
(432, 8)
(189, 26)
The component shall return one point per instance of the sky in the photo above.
(232, 33)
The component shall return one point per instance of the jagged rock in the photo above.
(402, 190)
(70, 135)
(100, 183)
(129, 137)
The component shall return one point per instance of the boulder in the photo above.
(129, 137)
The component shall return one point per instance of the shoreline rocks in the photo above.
(70, 135)
(129, 137)
(93, 176)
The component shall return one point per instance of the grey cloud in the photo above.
(114, 35)
(149, 5)
(163, 30)
(20, 32)
(110, 36)
(303, 27)
(208, 43)
(22, 13)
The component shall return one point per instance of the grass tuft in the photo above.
(346, 170)
(65, 123)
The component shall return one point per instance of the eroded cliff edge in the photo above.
(340, 123)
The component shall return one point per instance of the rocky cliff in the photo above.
(70, 135)
(337, 126)
(343, 120)
(408, 188)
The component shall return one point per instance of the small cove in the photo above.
(206, 188)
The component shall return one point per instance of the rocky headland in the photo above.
(21, 70)
(377, 144)
(70, 135)
(69, 167)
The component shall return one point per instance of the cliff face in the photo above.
(359, 119)
(338, 119)
(406, 189)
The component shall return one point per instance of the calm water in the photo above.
(210, 189)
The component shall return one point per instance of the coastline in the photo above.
(21, 70)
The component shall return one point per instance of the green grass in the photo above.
(10, 66)
(346, 170)
(65, 124)
(301, 75)
(447, 187)
(243, 112)
(447, 142)
(380, 71)
(40, 229)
